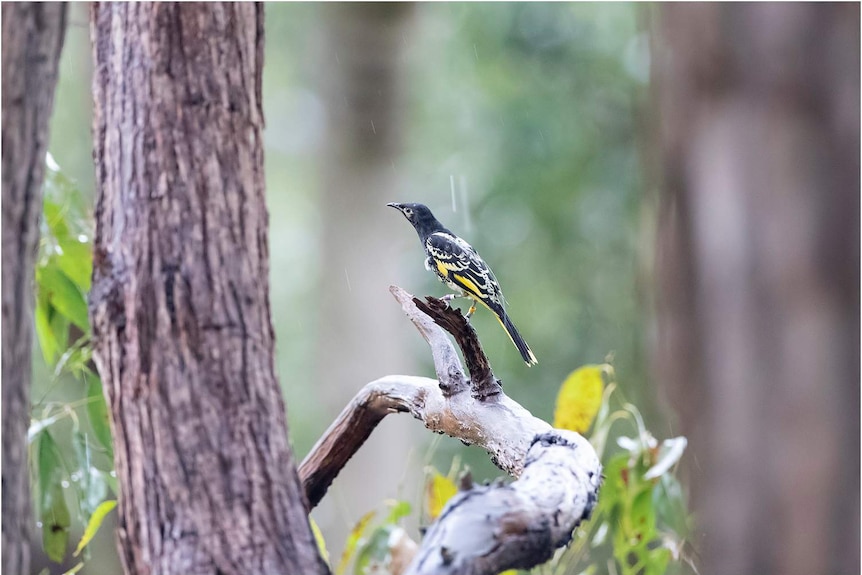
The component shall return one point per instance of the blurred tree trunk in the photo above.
(363, 89)
(180, 300)
(32, 40)
(759, 277)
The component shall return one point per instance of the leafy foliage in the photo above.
(373, 548)
(63, 271)
(641, 520)
(53, 512)
(639, 525)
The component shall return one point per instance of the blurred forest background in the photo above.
(517, 124)
(529, 130)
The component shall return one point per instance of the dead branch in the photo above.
(482, 380)
(489, 529)
(484, 529)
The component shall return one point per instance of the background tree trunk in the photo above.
(180, 300)
(759, 278)
(32, 41)
(363, 88)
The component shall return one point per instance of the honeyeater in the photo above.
(458, 266)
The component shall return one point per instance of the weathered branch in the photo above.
(483, 529)
(489, 529)
(482, 380)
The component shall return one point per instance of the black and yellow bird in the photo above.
(458, 266)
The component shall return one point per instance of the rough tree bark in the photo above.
(180, 301)
(32, 41)
(759, 277)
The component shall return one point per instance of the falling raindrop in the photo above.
(65, 484)
(113, 473)
(39, 524)
(348, 280)
(372, 127)
(82, 238)
(452, 187)
(462, 181)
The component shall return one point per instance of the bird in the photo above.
(459, 267)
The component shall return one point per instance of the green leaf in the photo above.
(53, 511)
(64, 295)
(54, 215)
(93, 525)
(375, 552)
(655, 561)
(353, 540)
(400, 509)
(670, 505)
(643, 516)
(111, 481)
(97, 410)
(76, 262)
(47, 341)
(60, 329)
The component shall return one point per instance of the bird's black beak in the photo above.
(399, 207)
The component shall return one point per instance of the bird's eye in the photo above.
(408, 212)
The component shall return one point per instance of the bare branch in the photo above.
(482, 380)
(483, 529)
(490, 529)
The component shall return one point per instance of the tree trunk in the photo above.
(365, 99)
(180, 301)
(759, 271)
(32, 41)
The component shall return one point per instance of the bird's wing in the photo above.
(457, 261)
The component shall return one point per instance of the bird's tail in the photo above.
(516, 338)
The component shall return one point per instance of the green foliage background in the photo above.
(527, 118)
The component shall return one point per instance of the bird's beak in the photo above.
(398, 207)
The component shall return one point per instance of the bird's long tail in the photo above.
(516, 338)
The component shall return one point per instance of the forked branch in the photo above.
(483, 529)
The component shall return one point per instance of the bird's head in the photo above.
(419, 215)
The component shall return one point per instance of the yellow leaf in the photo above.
(353, 541)
(93, 525)
(579, 399)
(71, 571)
(438, 491)
(318, 538)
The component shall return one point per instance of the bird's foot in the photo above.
(471, 311)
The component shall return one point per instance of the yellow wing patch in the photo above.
(441, 267)
(467, 283)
